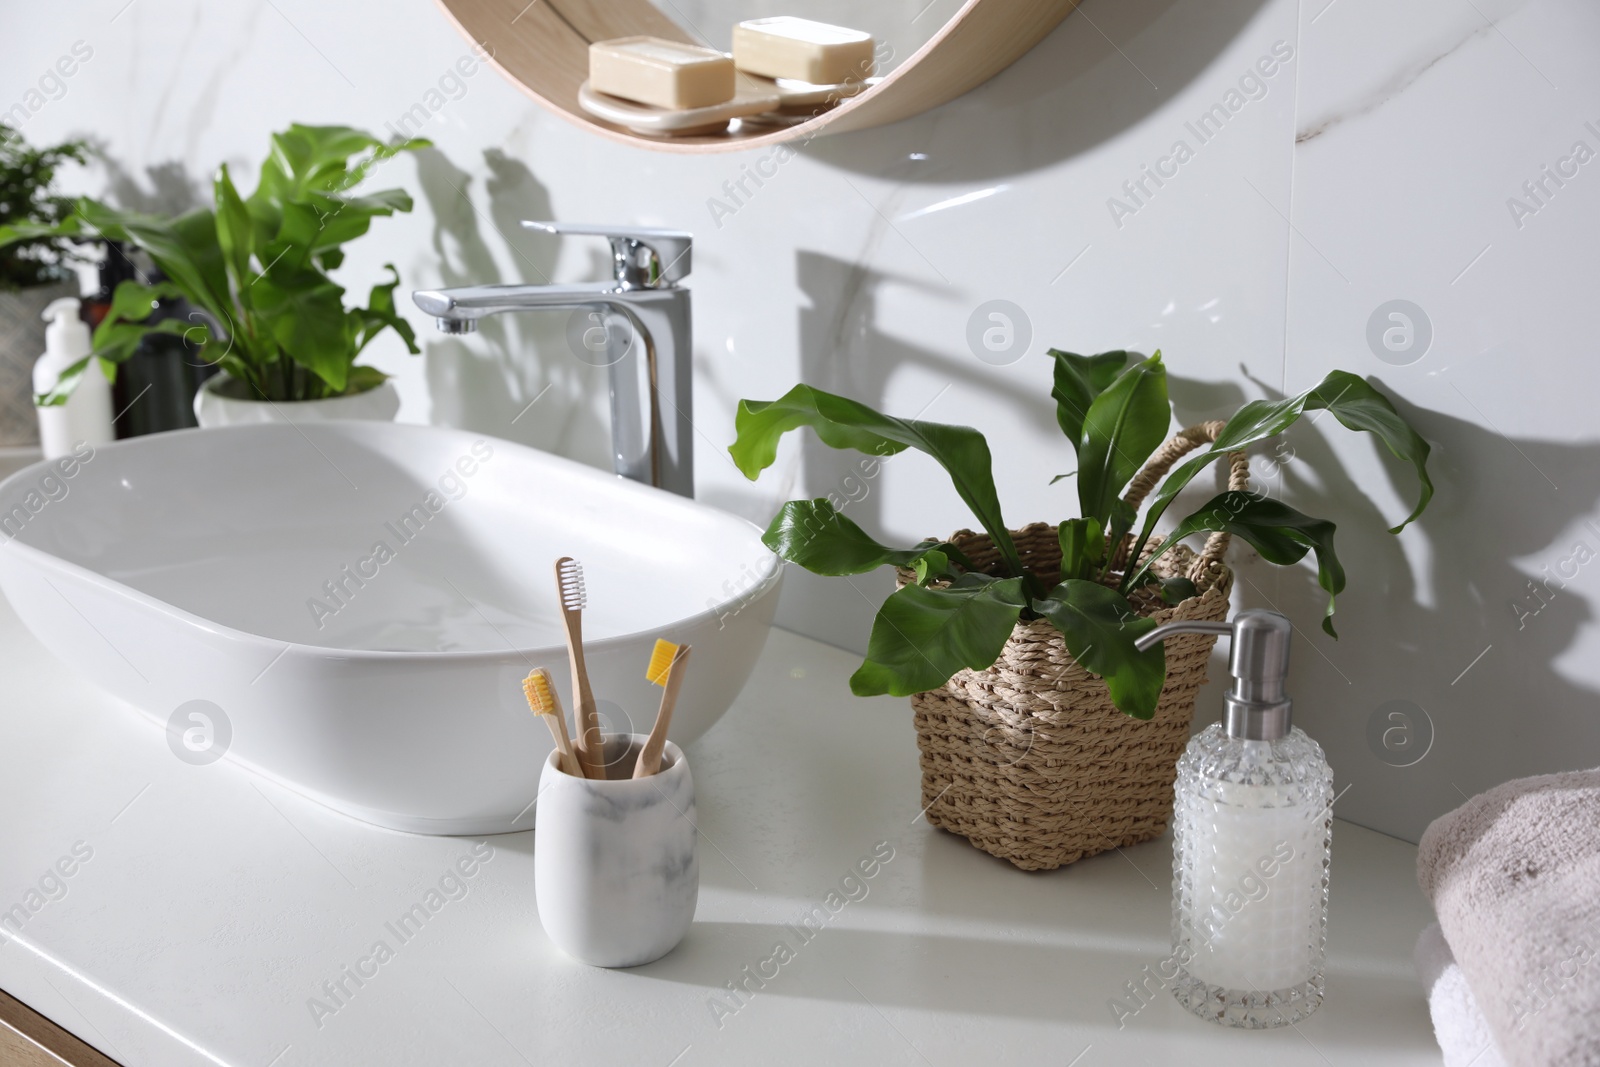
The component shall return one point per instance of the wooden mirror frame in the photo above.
(543, 48)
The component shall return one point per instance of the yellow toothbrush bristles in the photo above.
(541, 698)
(660, 661)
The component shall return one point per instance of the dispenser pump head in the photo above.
(66, 337)
(1257, 707)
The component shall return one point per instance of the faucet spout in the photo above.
(472, 302)
(651, 404)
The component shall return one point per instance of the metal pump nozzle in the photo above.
(1257, 707)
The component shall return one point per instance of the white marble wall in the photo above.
(1419, 125)
(1368, 156)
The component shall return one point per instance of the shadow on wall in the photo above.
(1465, 679)
(1074, 90)
(487, 381)
(172, 190)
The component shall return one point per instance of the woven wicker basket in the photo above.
(1028, 759)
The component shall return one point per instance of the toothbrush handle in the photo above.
(649, 761)
(588, 742)
(569, 758)
(564, 756)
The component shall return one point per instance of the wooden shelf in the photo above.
(543, 48)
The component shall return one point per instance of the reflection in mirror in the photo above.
(899, 26)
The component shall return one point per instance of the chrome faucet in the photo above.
(649, 358)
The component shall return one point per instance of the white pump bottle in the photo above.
(86, 416)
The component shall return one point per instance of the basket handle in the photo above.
(1179, 445)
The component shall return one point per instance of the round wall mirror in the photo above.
(925, 53)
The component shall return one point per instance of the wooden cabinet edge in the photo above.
(28, 1039)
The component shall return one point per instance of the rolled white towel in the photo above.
(1458, 1024)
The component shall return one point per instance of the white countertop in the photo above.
(215, 905)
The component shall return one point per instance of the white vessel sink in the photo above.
(191, 565)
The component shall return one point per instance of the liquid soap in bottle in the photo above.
(1252, 829)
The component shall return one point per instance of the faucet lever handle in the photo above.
(643, 257)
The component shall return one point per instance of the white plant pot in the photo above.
(221, 401)
(614, 864)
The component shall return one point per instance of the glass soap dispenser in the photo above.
(1252, 829)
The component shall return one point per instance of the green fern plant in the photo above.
(1114, 411)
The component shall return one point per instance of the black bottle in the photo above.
(155, 388)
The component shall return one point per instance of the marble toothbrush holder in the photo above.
(616, 868)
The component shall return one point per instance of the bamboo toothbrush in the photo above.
(544, 702)
(587, 743)
(666, 668)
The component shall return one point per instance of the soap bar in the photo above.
(789, 47)
(661, 73)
